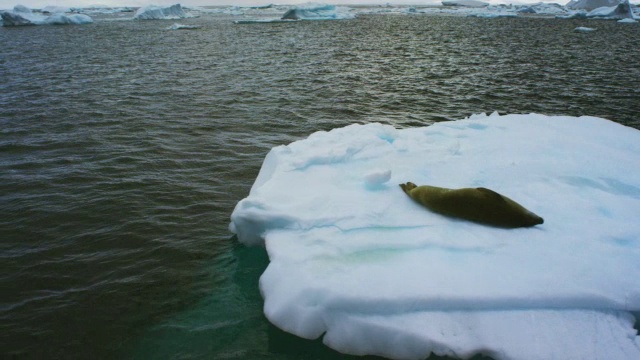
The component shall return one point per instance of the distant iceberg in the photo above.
(259, 7)
(154, 12)
(105, 9)
(52, 9)
(22, 16)
(307, 12)
(354, 261)
(317, 12)
(465, 3)
(493, 14)
(261, 21)
(543, 9)
(591, 4)
(618, 12)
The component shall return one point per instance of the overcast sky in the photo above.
(8, 4)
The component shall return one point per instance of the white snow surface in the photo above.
(154, 12)
(22, 15)
(354, 260)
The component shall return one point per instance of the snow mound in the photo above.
(21, 15)
(154, 12)
(318, 12)
(357, 262)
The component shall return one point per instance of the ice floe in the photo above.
(177, 26)
(355, 261)
(22, 15)
(617, 12)
(318, 12)
(579, 9)
(154, 12)
(591, 4)
(546, 8)
(310, 11)
(53, 9)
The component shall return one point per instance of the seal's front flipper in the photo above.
(490, 193)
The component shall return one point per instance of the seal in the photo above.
(479, 205)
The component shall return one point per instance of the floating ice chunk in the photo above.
(377, 273)
(584, 29)
(22, 9)
(154, 12)
(548, 9)
(230, 10)
(75, 19)
(527, 10)
(306, 12)
(318, 12)
(465, 3)
(260, 7)
(21, 15)
(578, 14)
(627, 21)
(105, 9)
(177, 26)
(260, 21)
(493, 15)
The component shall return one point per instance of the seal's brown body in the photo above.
(480, 205)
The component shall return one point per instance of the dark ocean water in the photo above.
(125, 146)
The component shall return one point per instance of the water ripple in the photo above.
(124, 148)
